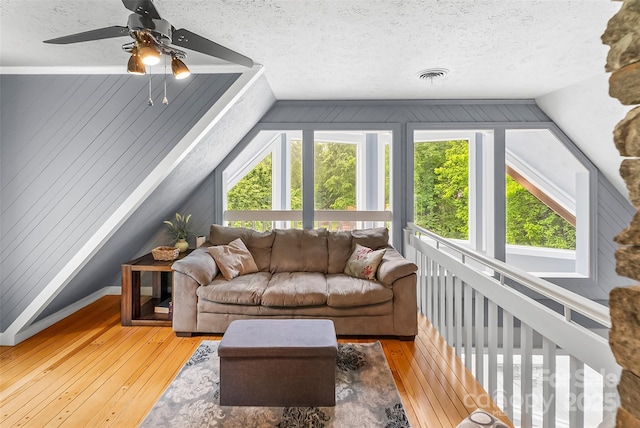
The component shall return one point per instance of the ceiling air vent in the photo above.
(432, 74)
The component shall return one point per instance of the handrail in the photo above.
(464, 295)
(570, 301)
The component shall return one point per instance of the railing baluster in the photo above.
(458, 312)
(526, 376)
(432, 292)
(492, 333)
(424, 272)
(507, 362)
(610, 399)
(449, 308)
(576, 392)
(436, 296)
(468, 325)
(548, 383)
(479, 334)
(442, 286)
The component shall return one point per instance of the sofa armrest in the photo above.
(394, 266)
(189, 273)
(198, 265)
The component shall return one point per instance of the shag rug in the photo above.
(366, 396)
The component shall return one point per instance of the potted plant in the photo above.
(179, 231)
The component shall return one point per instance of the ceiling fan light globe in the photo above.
(179, 69)
(149, 55)
(136, 66)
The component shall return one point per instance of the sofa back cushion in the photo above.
(340, 248)
(374, 238)
(296, 250)
(258, 243)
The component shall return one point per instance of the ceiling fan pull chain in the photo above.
(165, 101)
(150, 100)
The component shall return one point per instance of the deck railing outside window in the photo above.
(540, 365)
(329, 219)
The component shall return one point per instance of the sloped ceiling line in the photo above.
(137, 197)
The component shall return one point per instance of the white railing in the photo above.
(479, 307)
(330, 219)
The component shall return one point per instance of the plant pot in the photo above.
(182, 245)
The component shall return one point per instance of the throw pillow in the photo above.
(364, 262)
(233, 259)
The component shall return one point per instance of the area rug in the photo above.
(366, 396)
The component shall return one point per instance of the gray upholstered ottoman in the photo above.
(278, 363)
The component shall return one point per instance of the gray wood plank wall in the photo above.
(73, 149)
(614, 210)
(188, 189)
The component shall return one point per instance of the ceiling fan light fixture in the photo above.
(149, 54)
(135, 64)
(179, 68)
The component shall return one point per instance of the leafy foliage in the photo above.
(335, 176)
(253, 191)
(441, 189)
(531, 222)
(441, 192)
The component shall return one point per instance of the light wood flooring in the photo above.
(89, 371)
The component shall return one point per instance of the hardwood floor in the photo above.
(89, 371)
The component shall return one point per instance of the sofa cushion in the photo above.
(299, 250)
(258, 243)
(242, 290)
(296, 289)
(234, 259)
(374, 238)
(364, 262)
(207, 308)
(345, 291)
(340, 248)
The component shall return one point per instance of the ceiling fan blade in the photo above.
(187, 39)
(142, 7)
(100, 33)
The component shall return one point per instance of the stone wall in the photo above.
(623, 61)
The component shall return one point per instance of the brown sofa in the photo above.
(300, 275)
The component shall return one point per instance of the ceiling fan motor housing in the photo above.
(161, 29)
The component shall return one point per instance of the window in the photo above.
(441, 185)
(547, 200)
(253, 191)
(544, 228)
(351, 172)
(335, 174)
(265, 176)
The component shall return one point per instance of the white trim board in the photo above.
(138, 196)
(117, 69)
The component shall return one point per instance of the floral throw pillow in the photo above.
(233, 259)
(364, 262)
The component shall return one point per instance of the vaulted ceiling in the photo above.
(548, 50)
(348, 49)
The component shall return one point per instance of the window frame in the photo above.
(492, 240)
(308, 136)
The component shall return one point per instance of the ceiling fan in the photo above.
(154, 36)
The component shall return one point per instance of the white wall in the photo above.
(587, 114)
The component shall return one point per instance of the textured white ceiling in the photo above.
(347, 49)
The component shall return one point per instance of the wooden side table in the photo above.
(133, 310)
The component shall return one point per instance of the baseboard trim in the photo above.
(35, 328)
